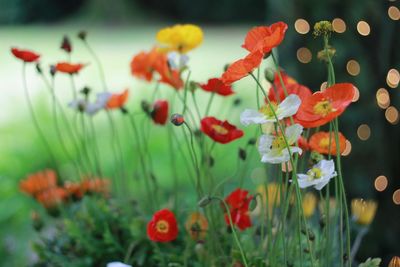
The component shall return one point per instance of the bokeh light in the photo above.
(381, 182)
(394, 13)
(302, 26)
(304, 55)
(353, 67)
(393, 78)
(347, 149)
(363, 132)
(339, 25)
(382, 98)
(363, 28)
(356, 94)
(396, 197)
(392, 115)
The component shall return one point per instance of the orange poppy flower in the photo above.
(96, 185)
(144, 64)
(241, 68)
(197, 226)
(320, 142)
(170, 76)
(69, 68)
(51, 197)
(322, 107)
(73, 189)
(38, 182)
(25, 55)
(265, 38)
(117, 100)
(215, 85)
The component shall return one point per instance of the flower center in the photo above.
(323, 108)
(268, 110)
(162, 226)
(314, 173)
(324, 142)
(279, 143)
(219, 129)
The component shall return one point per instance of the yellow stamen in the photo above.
(315, 173)
(162, 226)
(219, 129)
(268, 110)
(324, 142)
(323, 108)
(279, 143)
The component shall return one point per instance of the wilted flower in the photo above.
(318, 176)
(197, 226)
(309, 204)
(273, 148)
(322, 28)
(181, 37)
(163, 227)
(25, 55)
(286, 108)
(220, 131)
(332, 207)
(363, 210)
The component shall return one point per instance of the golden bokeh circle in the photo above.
(323, 86)
(353, 67)
(339, 25)
(396, 197)
(392, 115)
(304, 55)
(363, 28)
(356, 94)
(347, 149)
(381, 183)
(383, 98)
(393, 78)
(302, 26)
(394, 13)
(363, 132)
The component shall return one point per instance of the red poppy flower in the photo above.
(320, 142)
(322, 107)
(216, 85)
(144, 64)
(265, 38)
(159, 114)
(69, 68)
(51, 197)
(238, 202)
(117, 100)
(38, 182)
(220, 131)
(25, 55)
(291, 85)
(163, 226)
(241, 68)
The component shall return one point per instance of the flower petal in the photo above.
(250, 116)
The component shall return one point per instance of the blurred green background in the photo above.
(120, 29)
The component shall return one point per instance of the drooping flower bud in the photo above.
(204, 201)
(66, 44)
(82, 35)
(269, 74)
(53, 70)
(237, 102)
(85, 91)
(242, 154)
(145, 106)
(38, 68)
(177, 119)
(252, 141)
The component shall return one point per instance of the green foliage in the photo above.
(371, 263)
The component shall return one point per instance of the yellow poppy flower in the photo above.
(180, 38)
(197, 226)
(363, 211)
(309, 204)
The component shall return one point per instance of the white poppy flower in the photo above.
(319, 175)
(91, 108)
(273, 148)
(288, 107)
(117, 264)
(177, 61)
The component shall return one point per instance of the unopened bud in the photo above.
(269, 74)
(177, 119)
(66, 44)
(226, 67)
(82, 35)
(85, 91)
(237, 102)
(204, 201)
(193, 86)
(252, 141)
(145, 106)
(38, 68)
(53, 70)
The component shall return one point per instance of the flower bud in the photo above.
(395, 262)
(204, 201)
(252, 141)
(193, 86)
(237, 102)
(66, 44)
(85, 91)
(38, 68)
(145, 106)
(269, 74)
(177, 119)
(242, 154)
(53, 70)
(226, 66)
(82, 35)
(322, 28)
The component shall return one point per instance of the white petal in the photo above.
(102, 98)
(289, 106)
(250, 116)
(275, 157)
(183, 61)
(327, 166)
(303, 180)
(293, 133)
(92, 109)
(76, 104)
(322, 183)
(117, 264)
(264, 144)
(295, 149)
